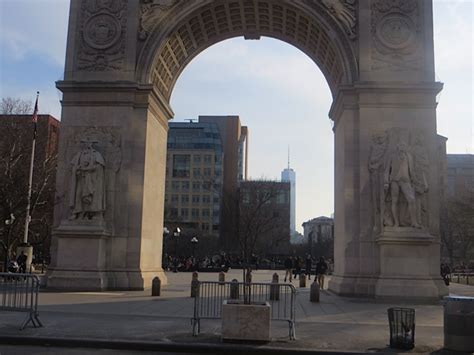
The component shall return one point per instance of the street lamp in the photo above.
(176, 234)
(194, 242)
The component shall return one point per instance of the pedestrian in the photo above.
(288, 267)
(297, 267)
(21, 260)
(321, 269)
(309, 265)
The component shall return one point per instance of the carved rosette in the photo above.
(101, 36)
(396, 35)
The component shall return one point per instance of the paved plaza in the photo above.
(133, 318)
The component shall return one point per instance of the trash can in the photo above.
(402, 327)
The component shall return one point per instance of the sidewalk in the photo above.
(135, 320)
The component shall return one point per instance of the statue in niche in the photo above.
(87, 193)
(420, 181)
(400, 177)
(376, 169)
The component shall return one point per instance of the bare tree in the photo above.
(15, 154)
(15, 106)
(457, 229)
(260, 223)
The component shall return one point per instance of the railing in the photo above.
(19, 293)
(211, 295)
(466, 278)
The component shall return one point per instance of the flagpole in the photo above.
(30, 180)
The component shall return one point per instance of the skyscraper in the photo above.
(289, 175)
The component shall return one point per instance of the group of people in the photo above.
(18, 264)
(294, 265)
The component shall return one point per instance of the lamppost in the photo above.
(8, 222)
(194, 242)
(176, 234)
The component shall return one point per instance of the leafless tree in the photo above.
(15, 106)
(15, 155)
(457, 229)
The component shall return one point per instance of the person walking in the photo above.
(21, 260)
(321, 269)
(309, 265)
(288, 267)
(297, 267)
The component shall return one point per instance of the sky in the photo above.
(277, 91)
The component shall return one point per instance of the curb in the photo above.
(195, 348)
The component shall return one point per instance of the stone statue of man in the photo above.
(399, 176)
(87, 193)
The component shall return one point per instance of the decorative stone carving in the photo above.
(395, 34)
(398, 166)
(87, 193)
(152, 11)
(96, 158)
(345, 13)
(101, 35)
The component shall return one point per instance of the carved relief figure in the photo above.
(344, 11)
(420, 181)
(87, 194)
(399, 177)
(151, 11)
(376, 169)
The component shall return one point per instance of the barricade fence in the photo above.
(466, 278)
(19, 293)
(211, 295)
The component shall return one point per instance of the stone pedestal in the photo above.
(249, 322)
(407, 269)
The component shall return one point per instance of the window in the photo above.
(174, 198)
(184, 213)
(207, 171)
(184, 199)
(181, 165)
(197, 172)
(195, 213)
(197, 159)
(282, 197)
(205, 227)
(208, 159)
(196, 186)
(206, 199)
(185, 185)
(196, 199)
(175, 185)
(205, 212)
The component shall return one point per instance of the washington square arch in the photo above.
(123, 60)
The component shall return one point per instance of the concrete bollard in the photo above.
(156, 286)
(302, 280)
(234, 289)
(314, 292)
(275, 289)
(221, 277)
(194, 284)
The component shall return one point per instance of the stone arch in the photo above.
(170, 48)
(123, 59)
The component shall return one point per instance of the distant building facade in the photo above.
(319, 236)
(289, 175)
(460, 176)
(264, 208)
(194, 176)
(205, 162)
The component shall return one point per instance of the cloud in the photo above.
(30, 28)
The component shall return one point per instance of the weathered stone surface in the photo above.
(246, 321)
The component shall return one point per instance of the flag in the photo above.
(35, 115)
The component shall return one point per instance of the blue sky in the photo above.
(277, 91)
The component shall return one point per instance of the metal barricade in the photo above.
(19, 293)
(211, 295)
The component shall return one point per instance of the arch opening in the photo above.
(165, 56)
